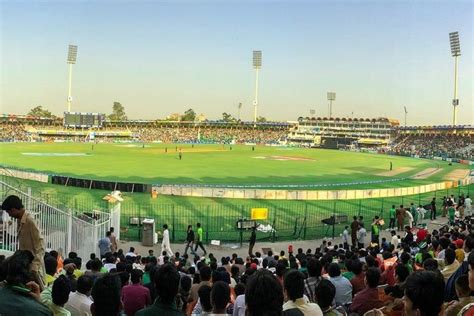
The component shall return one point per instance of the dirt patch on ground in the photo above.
(457, 174)
(284, 158)
(426, 173)
(394, 172)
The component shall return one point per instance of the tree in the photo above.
(118, 112)
(261, 119)
(40, 112)
(189, 115)
(226, 117)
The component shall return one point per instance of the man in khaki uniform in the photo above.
(29, 235)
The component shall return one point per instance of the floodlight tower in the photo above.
(240, 108)
(257, 64)
(406, 112)
(331, 97)
(71, 59)
(455, 52)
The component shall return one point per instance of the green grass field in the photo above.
(215, 164)
(211, 164)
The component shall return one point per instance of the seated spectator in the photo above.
(463, 293)
(183, 293)
(60, 295)
(263, 294)
(204, 293)
(314, 272)
(106, 296)
(220, 297)
(294, 290)
(135, 296)
(368, 298)
(50, 265)
(343, 285)
(239, 304)
(110, 262)
(95, 267)
(20, 296)
(424, 294)
(167, 286)
(451, 264)
(205, 274)
(469, 308)
(325, 293)
(79, 303)
(358, 281)
(398, 290)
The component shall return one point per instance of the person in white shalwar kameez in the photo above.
(165, 244)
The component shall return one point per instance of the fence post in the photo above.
(360, 207)
(305, 220)
(334, 216)
(241, 233)
(274, 224)
(69, 233)
(207, 224)
(173, 212)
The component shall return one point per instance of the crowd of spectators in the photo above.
(429, 146)
(13, 133)
(416, 272)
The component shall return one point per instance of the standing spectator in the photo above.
(135, 296)
(392, 213)
(106, 296)
(105, 245)
(433, 209)
(294, 291)
(368, 298)
(361, 234)
(189, 240)
(113, 241)
(345, 237)
(167, 285)
(314, 271)
(400, 217)
(165, 244)
(354, 229)
(20, 296)
(343, 285)
(376, 230)
(468, 206)
(200, 236)
(253, 239)
(424, 294)
(408, 239)
(394, 240)
(263, 294)
(79, 303)
(29, 236)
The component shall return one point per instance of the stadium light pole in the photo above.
(331, 97)
(405, 108)
(257, 64)
(455, 52)
(240, 108)
(71, 59)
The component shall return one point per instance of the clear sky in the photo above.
(158, 58)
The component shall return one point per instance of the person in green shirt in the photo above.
(414, 213)
(200, 235)
(392, 212)
(451, 213)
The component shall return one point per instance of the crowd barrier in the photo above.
(24, 174)
(62, 230)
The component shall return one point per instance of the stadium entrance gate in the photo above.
(64, 231)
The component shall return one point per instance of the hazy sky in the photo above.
(157, 58)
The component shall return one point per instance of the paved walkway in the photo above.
(228, 249)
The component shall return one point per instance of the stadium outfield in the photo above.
(220, 165)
